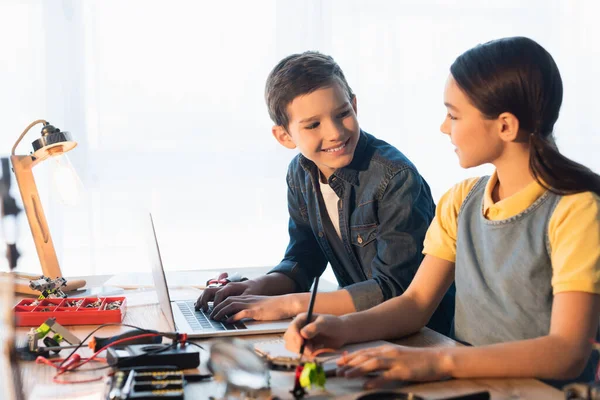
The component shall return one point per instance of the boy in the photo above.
(354, 201)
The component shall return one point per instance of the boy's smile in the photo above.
(323, 126)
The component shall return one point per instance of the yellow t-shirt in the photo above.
(573, 231)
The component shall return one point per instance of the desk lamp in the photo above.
(52, 143)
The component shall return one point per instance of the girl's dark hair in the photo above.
(297, 75)
(519, 76)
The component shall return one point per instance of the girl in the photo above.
(522, 245)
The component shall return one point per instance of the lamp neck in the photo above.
(42, 121)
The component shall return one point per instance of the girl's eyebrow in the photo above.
(450, 106)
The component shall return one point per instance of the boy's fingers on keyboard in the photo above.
(231, 289)
(217, 310)
(223, 313)
(244, 314)
(207, 295)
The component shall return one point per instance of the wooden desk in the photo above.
(149, 316)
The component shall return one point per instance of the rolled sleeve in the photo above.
(365, 294)
(290, 269)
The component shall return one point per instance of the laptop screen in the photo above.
(158, 274)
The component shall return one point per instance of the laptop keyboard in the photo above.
(199, 321)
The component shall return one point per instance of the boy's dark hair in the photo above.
(297, 75)
(519, 76)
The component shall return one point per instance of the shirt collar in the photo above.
(514, 204)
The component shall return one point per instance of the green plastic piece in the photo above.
(312, 374)
(43, 330)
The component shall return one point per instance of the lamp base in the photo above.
(22, 283)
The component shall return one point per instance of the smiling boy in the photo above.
(354, 201)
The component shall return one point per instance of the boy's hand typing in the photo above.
(260, 308)
(218, 294)
(325, 331)
(271, 284)
(395, 363)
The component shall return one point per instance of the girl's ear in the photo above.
(509, 127)
(354, 107)
(283, 137)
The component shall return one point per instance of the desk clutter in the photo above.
(138, 364)
(149, 383)
(70, 311)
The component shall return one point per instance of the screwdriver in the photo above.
(96, 343)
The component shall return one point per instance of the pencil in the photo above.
(311, 306)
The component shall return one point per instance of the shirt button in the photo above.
(321, 234)
(359, 239)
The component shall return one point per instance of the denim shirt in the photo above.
(385, 208)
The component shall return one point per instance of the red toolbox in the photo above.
(71, 311)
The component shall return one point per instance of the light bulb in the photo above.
(66, 181)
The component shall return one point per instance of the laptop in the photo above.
(183, 318)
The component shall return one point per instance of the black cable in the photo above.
(80, 345)
(150, 353)
(193, 344)
(173, 336)
(167, 347)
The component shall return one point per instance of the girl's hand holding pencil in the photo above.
(324, 331)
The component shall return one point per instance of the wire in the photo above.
(62, 369)
(145, 333)
(43, 360)
(157, 351)
(31, 125)
(193, 344)
(167, 347)
(317, 353)
(110, 345)
(103, 326)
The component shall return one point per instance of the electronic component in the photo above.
(280, 363)
(182, 357)
(50, 326)
(150, 383)
(49, 287)
(45, 331)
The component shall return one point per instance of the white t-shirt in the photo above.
(330, 198)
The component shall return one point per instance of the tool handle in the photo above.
(73, 284)
(98, 342)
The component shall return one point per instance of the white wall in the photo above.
(166, 101)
